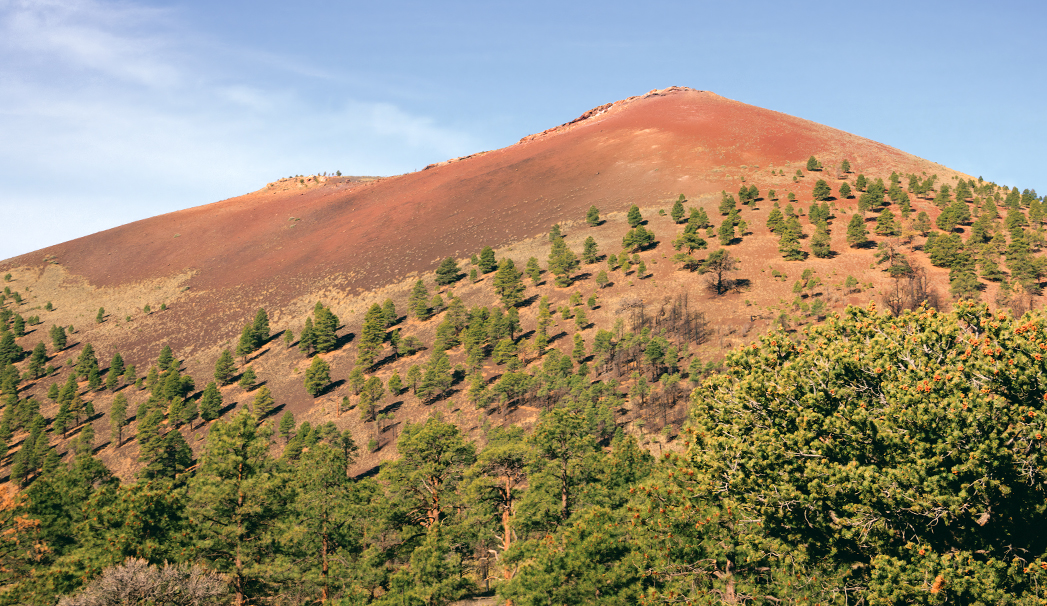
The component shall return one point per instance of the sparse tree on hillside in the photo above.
(487, 262)
(260, 327)
(820, 242)
(534, 272)
(448, 272)
(821, 190)
(813, 164)
(718, 265)
(317, 377)
(589, 251)
(508, 283)
(727, 203)
(372, 336)
(634, 218)
(118, 419)
(845, 166)
(677, 211)
(592, 218)
(224, 368)
(418, 301)
(856, 233)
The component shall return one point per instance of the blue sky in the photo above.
(115, 111)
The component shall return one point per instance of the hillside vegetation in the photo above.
(777, 386)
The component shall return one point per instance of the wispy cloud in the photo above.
(125, 110)
(121, 41)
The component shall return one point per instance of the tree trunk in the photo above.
(324, 570)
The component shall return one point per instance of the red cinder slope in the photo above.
(286, 237)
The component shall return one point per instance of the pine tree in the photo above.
(845, 190)
(418, 302)
(508, 283)
(166, 358)
(562, 262)
(396, 385)
(247, 343)
(447, 272)
(726, 232)
(58, 337)
(234, 500)
(589, 251)
(248, 379)
(86, 362)
(487, 262)
(307, 340)
(677, 211)
(287, 425)
(433, 454)
(37, 360)
(592, 217)
(325, 336)
(813, 164)
(886, 225)
(328, 537)
(372, 337)
(727, 203)
(224, 368)
(115, 372)
(820, 242)
(370, 395)
(856, 233)
(845, 166)
(775, 219)
(210, 402)
(260, 327)
(634, 218)
(533, 270)
(389, 313)
(437, 379)
(317, 377)
(263, 403)
(821, 190)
